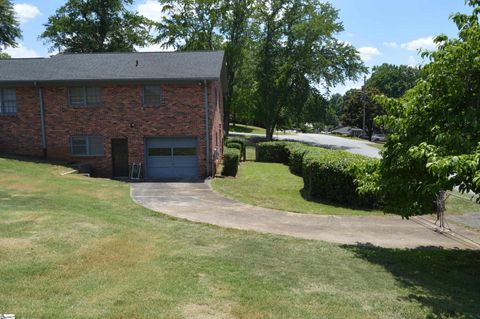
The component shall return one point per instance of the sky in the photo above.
(383, 31)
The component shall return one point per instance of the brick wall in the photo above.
(120, 115)
(21, 134)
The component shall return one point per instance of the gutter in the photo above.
(207, 126)
(42, 119)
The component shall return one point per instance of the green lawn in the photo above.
(242, 128)
(273, 186)
(77, 247)
(458, 203)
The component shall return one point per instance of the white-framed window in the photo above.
(152, 95)
(8, 101)
(84, 96)
(86, 145)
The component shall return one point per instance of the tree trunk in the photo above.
(226, 115)
(269, 133)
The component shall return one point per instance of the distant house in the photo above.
(348, 130)
(162, 110)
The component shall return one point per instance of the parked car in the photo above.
(364, 136)
(378, 138)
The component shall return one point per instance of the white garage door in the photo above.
(172, 157)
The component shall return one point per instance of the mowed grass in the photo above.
(242, 128)
(77, 247)
(457, 203)
(273, 186)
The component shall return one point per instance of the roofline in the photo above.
(138, 52)
(127, 80)
(22, 59)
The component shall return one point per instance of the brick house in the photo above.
(161, 110)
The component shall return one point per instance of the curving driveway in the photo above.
(197, 202)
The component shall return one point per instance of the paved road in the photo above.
(197, 202)
(329, 141)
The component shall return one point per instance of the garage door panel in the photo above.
(172, 157)
(184, 151)
(184, 161)
(159, 172)
(172, 142)
(160, 161)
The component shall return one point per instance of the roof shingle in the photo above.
(199, 65)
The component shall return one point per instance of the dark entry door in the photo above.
(120, 157)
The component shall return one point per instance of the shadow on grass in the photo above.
(445, 281)
(241, 129)
(309, 198)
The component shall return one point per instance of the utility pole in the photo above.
(364, 101)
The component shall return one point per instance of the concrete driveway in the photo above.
(197, 202)
(329, 141)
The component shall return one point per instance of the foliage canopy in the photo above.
(435, 127)
(9, 26)
(393, 80)
(96, 26)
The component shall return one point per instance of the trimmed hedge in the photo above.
(272, 152)
(236, 145)
(231, 160)
(329, 175)
(235, 142)
(295, 158)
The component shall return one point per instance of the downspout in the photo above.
(42, 119)
(207, 126)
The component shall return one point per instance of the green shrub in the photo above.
(236, 145)
(231, 160)
(332, 175)
(295, 158)
(272, 152)
(233, 141)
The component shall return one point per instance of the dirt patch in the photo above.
(121, 252)
(24, 217)
(15, 243)
(110, 255)
(29, 187)
(207, 311)
(99, 194)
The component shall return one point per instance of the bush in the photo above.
(236, 145)
(231, 160)
(332, 176)
(295, 159)
(234, 142)
(272, 152)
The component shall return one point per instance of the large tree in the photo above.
(360, 105)
(434, 143)
(213, 25)
(393, 80)
(238, 32)
(85, 26)
(334, 110)
(191, 24)
(298, 51)
(9, 26)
